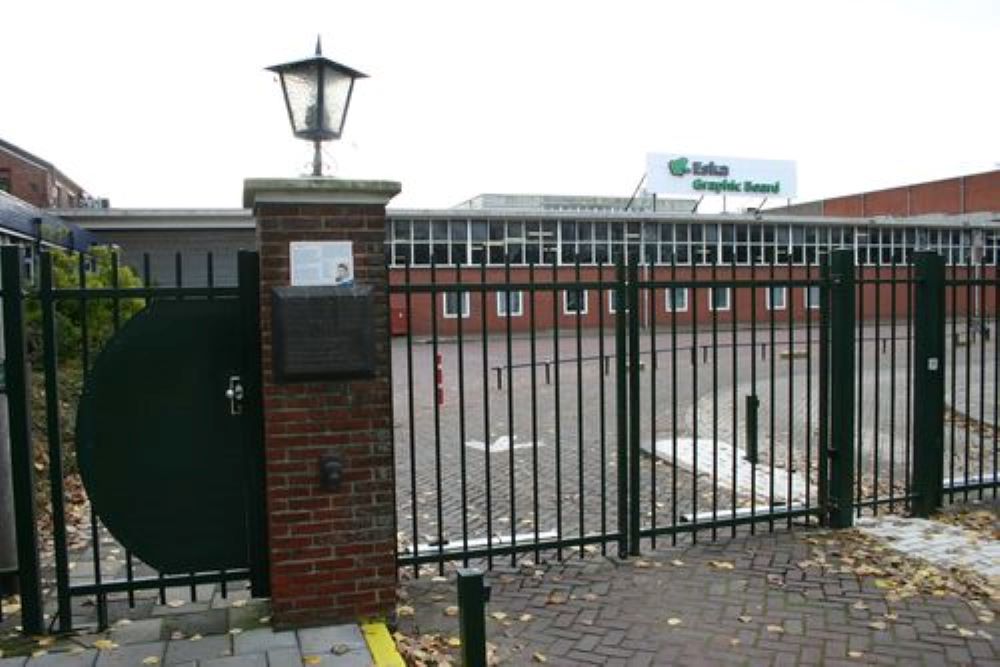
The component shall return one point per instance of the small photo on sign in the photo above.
(322, 263)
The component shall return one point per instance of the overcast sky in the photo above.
(167, 104)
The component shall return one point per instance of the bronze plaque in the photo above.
(322, 333)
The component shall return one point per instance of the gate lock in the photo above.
(235, 395)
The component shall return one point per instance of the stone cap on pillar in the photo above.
(317, 190)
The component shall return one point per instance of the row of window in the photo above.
(577, 301)
(471, 242)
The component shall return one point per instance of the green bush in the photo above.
(69, 313)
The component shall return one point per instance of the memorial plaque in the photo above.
(322, 333)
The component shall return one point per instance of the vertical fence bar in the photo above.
(715, 403)
(753, 387)
(510, 415)
(736, 408)
(772, 426)
(790, 452)
(672, 295)
(842, 383)
(651, 305)
(558, 401)
(438, 483)
(601, 413)
(967, 411)
(461, 424)
(535, 517)
(487, 429)
(248, 281)
(877, 389)
(21, 449)
(52, 420)
(579, 410)
(859, 463)
(892, 389)
(928, 390)
(954, 366)
(621, 405)
(411, 425)
(633, 406)
(822, 486)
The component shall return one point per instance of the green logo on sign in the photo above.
(679, 166)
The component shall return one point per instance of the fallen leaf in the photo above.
(498, 615)
(239, 603)
(264, 620)
(404, 611)
(674, 621)
(524, 618)
(105, 645)
(454, 642)
(340, 649)
(539, 657)
(195, 637)
(744, 619)
(557, 597)
(859, 605)
(721, 564)
(677, 562)
(734, 642)
(311, 660)
(855, 654)
(180, 603)
(775, 628)
(235, 631)
(877, 625)
(966, 632)
(451, 611)
(151, 660)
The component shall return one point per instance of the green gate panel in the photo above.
(159, 449)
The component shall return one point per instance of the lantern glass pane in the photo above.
(300, 87)
(337, 88)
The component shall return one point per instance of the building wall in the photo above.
(747, 304)
(964, 194)
(35, 181)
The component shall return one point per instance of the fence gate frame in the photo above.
(19, 396)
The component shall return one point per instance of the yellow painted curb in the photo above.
(381, 645)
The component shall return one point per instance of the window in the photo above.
(509, 302)
(613, 301)
(575, 302)
(718, 298)
(451, 304)
(677, 299)
(775, 298)
(812, 297)
(4, 180)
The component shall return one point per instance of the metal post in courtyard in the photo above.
(928, 383)
(840, 448)
(473, 594)
(21, 451)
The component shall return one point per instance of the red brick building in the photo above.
(37, 182)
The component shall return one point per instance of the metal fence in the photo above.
(714, 399)
(80, 561)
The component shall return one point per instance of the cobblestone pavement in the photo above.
(944, 545)
(560, 476)
(739, 601)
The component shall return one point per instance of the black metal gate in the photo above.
(546, 409)
(168, 439)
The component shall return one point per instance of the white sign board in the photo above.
(687, 174)
(322, 263)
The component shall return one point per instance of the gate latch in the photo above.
(235, 395)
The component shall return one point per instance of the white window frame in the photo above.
(611, 303)
(667, 300)
(805, 296)
(466, 307)
(711, 299)
(586, 303)
(784, 297)
(501, 297)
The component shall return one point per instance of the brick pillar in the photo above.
(332, 554)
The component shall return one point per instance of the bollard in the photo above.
(752, 405)
(473, 594)
(548, 379)
(499, 370)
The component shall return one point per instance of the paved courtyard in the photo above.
(803, 598)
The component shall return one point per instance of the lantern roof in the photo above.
(316, 59)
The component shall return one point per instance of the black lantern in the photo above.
(317, 93)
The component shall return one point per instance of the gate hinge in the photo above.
(235, 395)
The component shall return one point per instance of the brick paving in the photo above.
(684, 606)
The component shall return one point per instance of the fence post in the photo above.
(472, 597)
(840, 449)
(823, 484)
(928, 383)
(633, 407)
(21, 450)
(621, 406)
